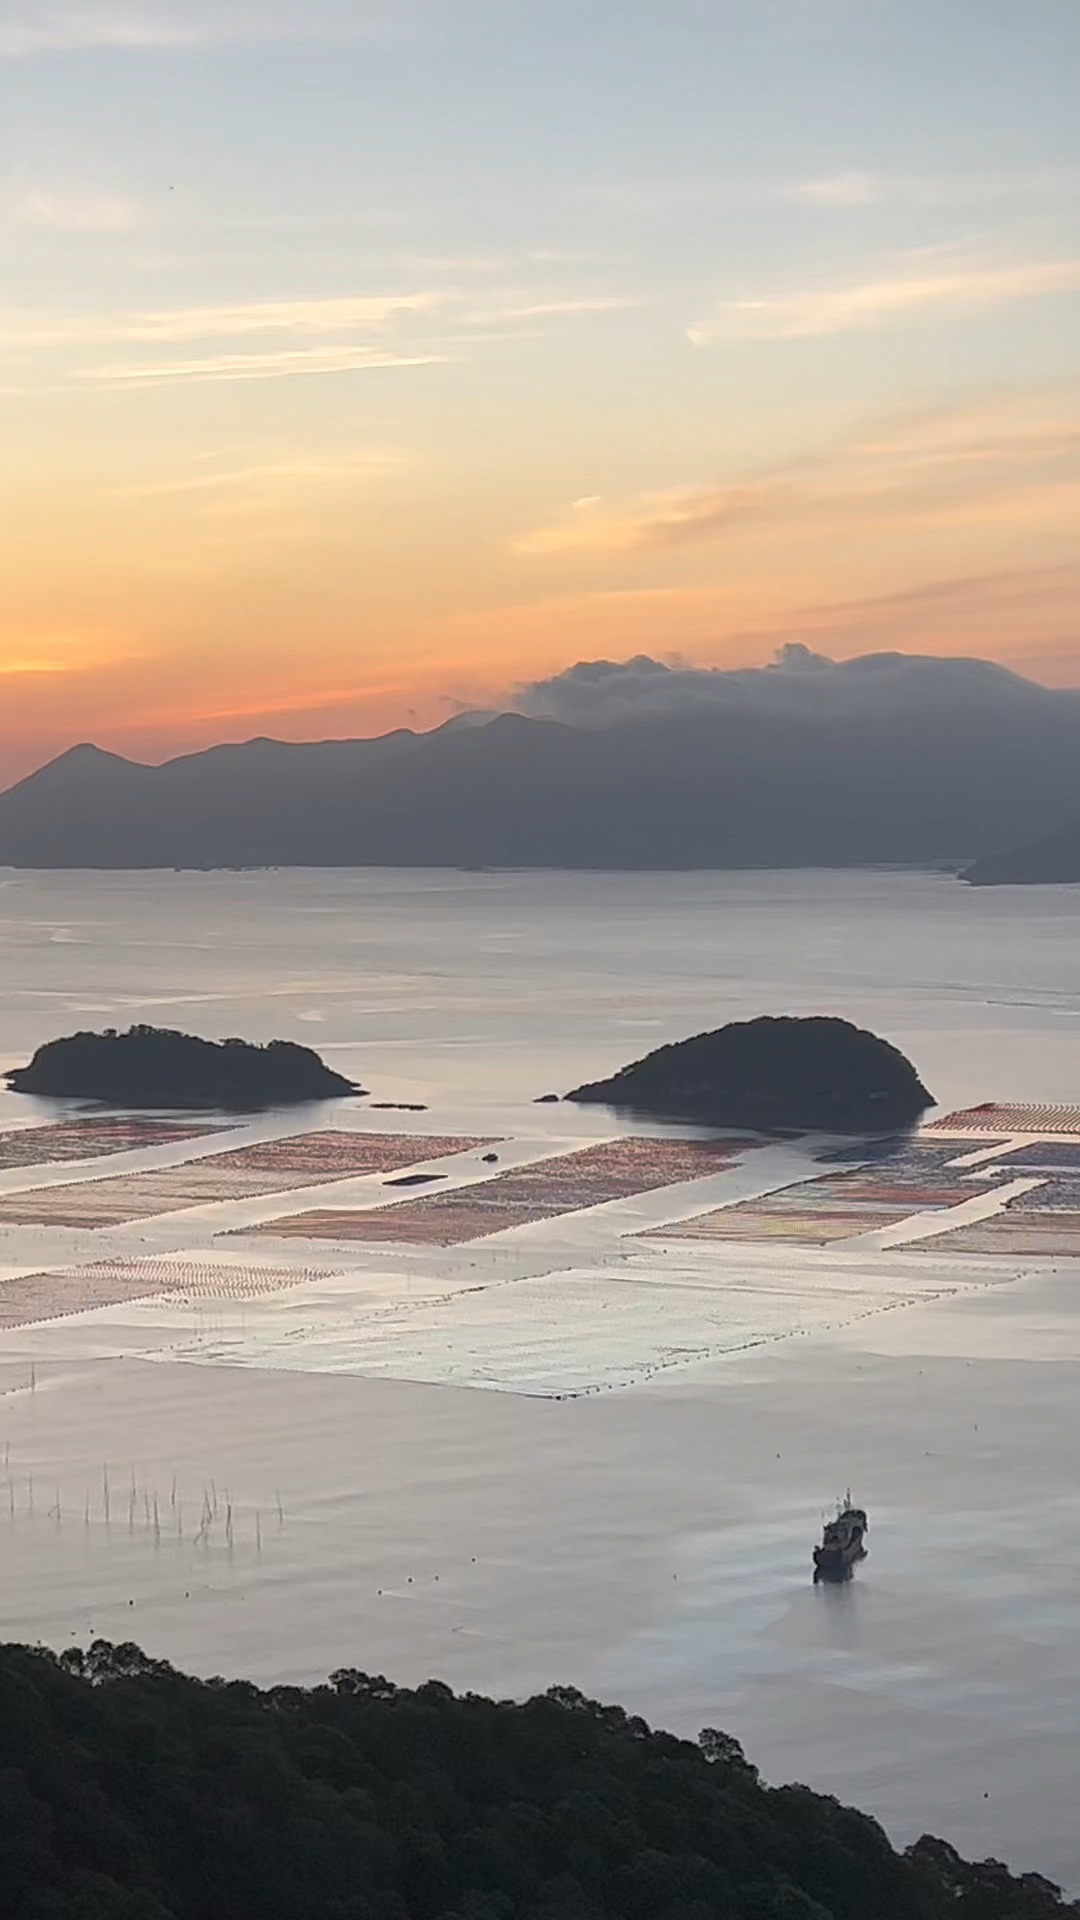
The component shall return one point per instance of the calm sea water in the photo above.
(482, 989)
(651, 1546)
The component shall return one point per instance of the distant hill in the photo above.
(889, 759)
(155, 1067)
(773, 1075)
(1053, 860)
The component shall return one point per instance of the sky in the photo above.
(364, 359)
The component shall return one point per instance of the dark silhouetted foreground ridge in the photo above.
(773, 1074)
(154, 1067)
(1054, 861)
(129, 1792)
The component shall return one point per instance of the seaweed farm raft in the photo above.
(994, 1180)
(1002, 1118)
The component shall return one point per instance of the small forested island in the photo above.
(773, 1075)
(155, 1067)
(131, 1792)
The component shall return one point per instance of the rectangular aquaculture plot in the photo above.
(1013, 1235)
(417, 1223)
(1042, 1156)
(908, 1198)
(108, 1283)
(911, 1187)
(788, 1227)
(93, 1139)
(909, 1157)
(1054, 1196)
(1006, 1119)
(902, 1181)
(554, 1335)
(830, 1196)
(244, 1173)
(835, 1206)
(615, 1170)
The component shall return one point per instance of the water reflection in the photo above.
(839, 1602)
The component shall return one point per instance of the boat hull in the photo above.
(836, 1565)
(842, 1545)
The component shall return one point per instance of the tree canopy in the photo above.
(157, 1067)
(129, 1791)
(788, 1073)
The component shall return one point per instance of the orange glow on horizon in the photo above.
(361, 362)
(148, 706)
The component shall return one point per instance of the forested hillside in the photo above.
(131, 1792)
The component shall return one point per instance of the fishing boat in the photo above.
(842, 1542)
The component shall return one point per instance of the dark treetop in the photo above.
(129, 1792)
(154, 1067)
(773, 1074)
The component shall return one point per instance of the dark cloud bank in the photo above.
(891, 758)
(797, 683)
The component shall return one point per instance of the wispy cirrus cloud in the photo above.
(33, 28)
(365, 313)
(215, 480)
(678, 517)
(837, 190)
(539, 309)
(258, 366)
(38, 656)
(863, 187)
(840, 190)
(336, 317)
(302, 337)
(1008, 458)
(67, 211)
(15, 665)
(923, 286)
(260, 340)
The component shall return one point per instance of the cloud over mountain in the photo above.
(635, 763)
(797, 683)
